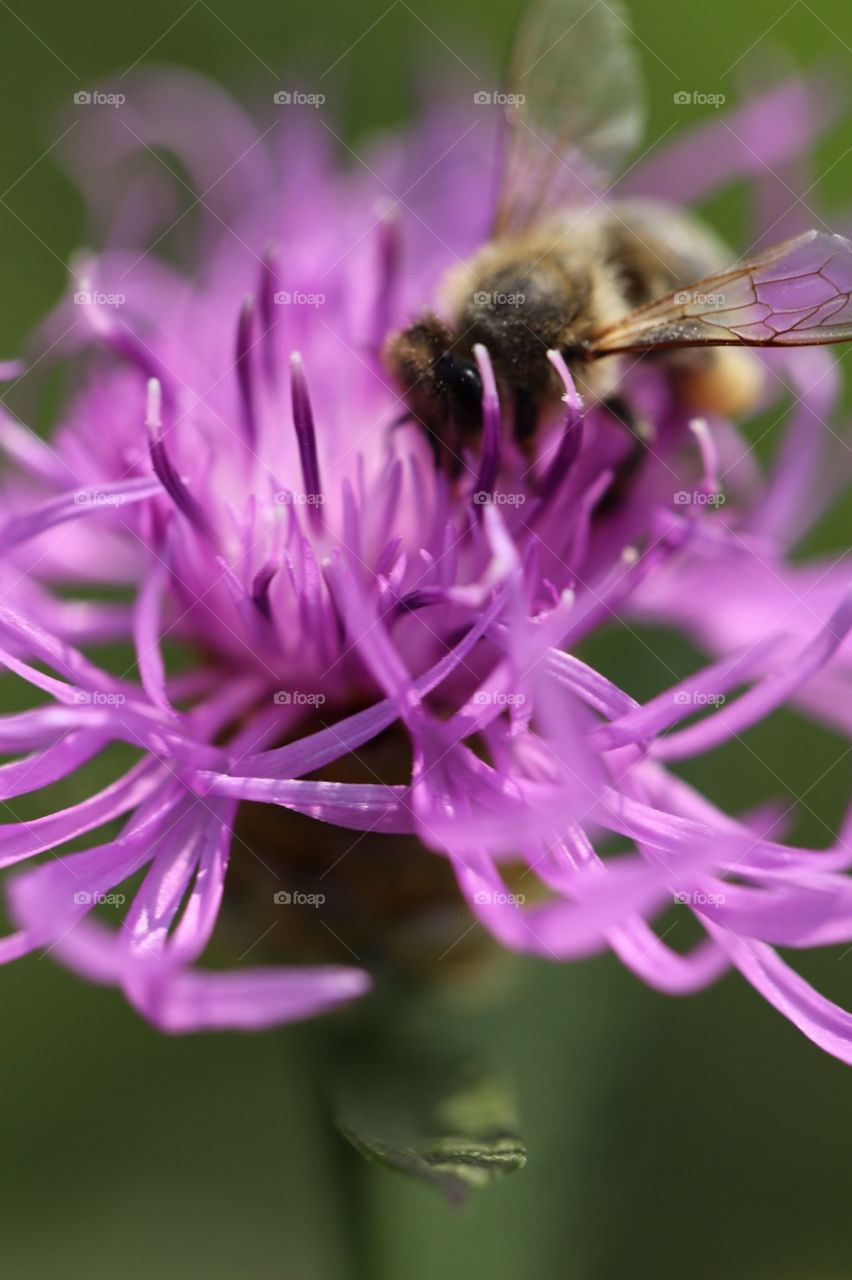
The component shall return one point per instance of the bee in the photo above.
(603, 282)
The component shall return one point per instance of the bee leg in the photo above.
(526, 419)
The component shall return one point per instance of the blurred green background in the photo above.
(667, 1138)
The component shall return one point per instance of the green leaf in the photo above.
(445, 1120)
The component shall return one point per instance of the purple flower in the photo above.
(231, 477)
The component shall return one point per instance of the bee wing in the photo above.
(798, 293)
(579, 109)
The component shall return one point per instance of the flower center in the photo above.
(321, 893)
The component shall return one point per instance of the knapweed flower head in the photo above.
(380, 708)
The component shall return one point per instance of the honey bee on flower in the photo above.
(400, 469)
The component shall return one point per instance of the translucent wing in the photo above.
(798, 293)
(574, 111)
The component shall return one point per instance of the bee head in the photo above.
(439, 382)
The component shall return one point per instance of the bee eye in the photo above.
(468, 376)
(461, 377)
